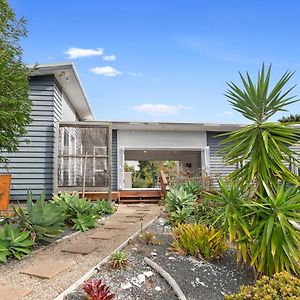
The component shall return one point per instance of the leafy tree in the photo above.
(291, 118)
(15, 105)
(262, 148)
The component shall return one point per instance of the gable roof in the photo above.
(67, 76)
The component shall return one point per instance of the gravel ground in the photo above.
(198, 279)
(80, 264)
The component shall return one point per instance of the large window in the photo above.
(83, 157)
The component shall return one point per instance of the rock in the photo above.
(135, 282)
(153, 253)
(171, 258)
(126, 285)
(141, 278)
(148, 273)
(158, 288)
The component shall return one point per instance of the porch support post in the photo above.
(109, 163)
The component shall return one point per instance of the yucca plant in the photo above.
(178, 198)
(230, 216)
(97, 290)
(14, 242)
(44, 220)
(276, 242)
(198, 240)
(262, 148)
(118, 260)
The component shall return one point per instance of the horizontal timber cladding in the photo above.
(114, 162)
(32, 166)
(217, 166)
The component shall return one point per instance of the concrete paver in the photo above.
(13, 293)
(81, 247)
(46, 269)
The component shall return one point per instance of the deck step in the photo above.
(144, 200)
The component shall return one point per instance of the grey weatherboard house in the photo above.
(66, 142)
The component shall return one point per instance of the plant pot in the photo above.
(5, 181)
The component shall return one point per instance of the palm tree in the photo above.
(261, 148)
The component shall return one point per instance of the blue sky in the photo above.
(154, 60)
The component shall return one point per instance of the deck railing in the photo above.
(163, 184)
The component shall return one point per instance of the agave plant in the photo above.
(262, 148)
(181, 216)
(276, 242)
(14, 242)
(193, 187)
(84, 222)
(178, 198)
(80, 213)
(103, 207)
(97, 290)
(44, 220)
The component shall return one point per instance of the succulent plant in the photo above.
(97, 290)
(150, 238)
(14, 242)
(44, 220)
(118, 260)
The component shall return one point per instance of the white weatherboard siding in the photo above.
(68, 111)
(161, 139)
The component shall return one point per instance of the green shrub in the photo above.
(44, 220)
(281, 286)
(103, 207)
(178, 198)
(14, 242)
(198, 240)
(206, 212)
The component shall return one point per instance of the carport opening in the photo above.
(142, 167)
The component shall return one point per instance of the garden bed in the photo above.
(198, 279)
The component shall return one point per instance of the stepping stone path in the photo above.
(114, 227)
(13, 293)
(46, 269)
(81, 247)
(129, 220)
(52, 270)
(136, 215)
(102, 235)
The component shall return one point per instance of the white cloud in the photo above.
(159, 109)
(106, 71)
(80, 52)
(135, 74)
(109, 57)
